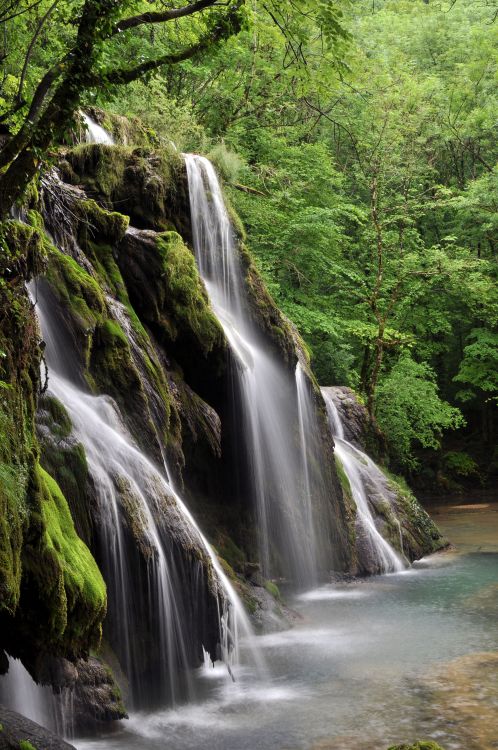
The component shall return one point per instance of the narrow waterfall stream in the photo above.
(268, 399)
(95, 133)
(362, 472)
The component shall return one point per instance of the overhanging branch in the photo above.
(230, 25)
(161, 17)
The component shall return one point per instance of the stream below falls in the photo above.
(399, 657)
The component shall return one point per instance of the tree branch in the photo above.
(4, 19)
(161, 17)
(29, 52)
(229, 25)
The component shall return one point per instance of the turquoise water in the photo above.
(369, 663)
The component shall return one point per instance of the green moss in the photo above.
(242, 588)
(22, 252)
(141, 182)
(77, 290)
(420, 534)
(65, 461)
(61, 423)
(19, 374)
(349, 502)
(71, 591)
(109, 226)
(100, 166)
(230, 552)
(343, 478)
(13, 515)
(264, 310)
(111, 364)
(26, 745)
(111, 332)
(182, 295)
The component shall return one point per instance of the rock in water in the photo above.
(17, 729)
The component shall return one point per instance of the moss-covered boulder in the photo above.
(21, 255)
(62, 585)
(65, 460)
(165, 289)
(145, 184)
(266, 315)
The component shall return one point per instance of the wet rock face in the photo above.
(354, 415)
(16, 728)
(397, 514)
(97, 698)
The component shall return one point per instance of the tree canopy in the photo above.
(357, 140)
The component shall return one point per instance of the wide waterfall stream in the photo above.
(269, 403)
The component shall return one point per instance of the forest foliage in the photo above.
(358, 142)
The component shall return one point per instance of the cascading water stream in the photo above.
(116, 465)
(362, 472)
(172, 606)
(19, 692)
(95, 133)
(268, 400)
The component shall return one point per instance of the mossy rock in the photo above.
(66, 588)
(65, 460)
(273, 589)
(76, 289)
(265, 312)
(13, 507)
(95, 221)
(22, 252)
(166, 290)
(183, 293)
(111, 364)
(420, 534)
(59, 418)
(143, 183)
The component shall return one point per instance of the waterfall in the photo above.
(307, 422)
(120, 470)
(268, 408)
(363, 474)
(95, 133)
(19, 692)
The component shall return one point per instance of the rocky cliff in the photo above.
(107, 237)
